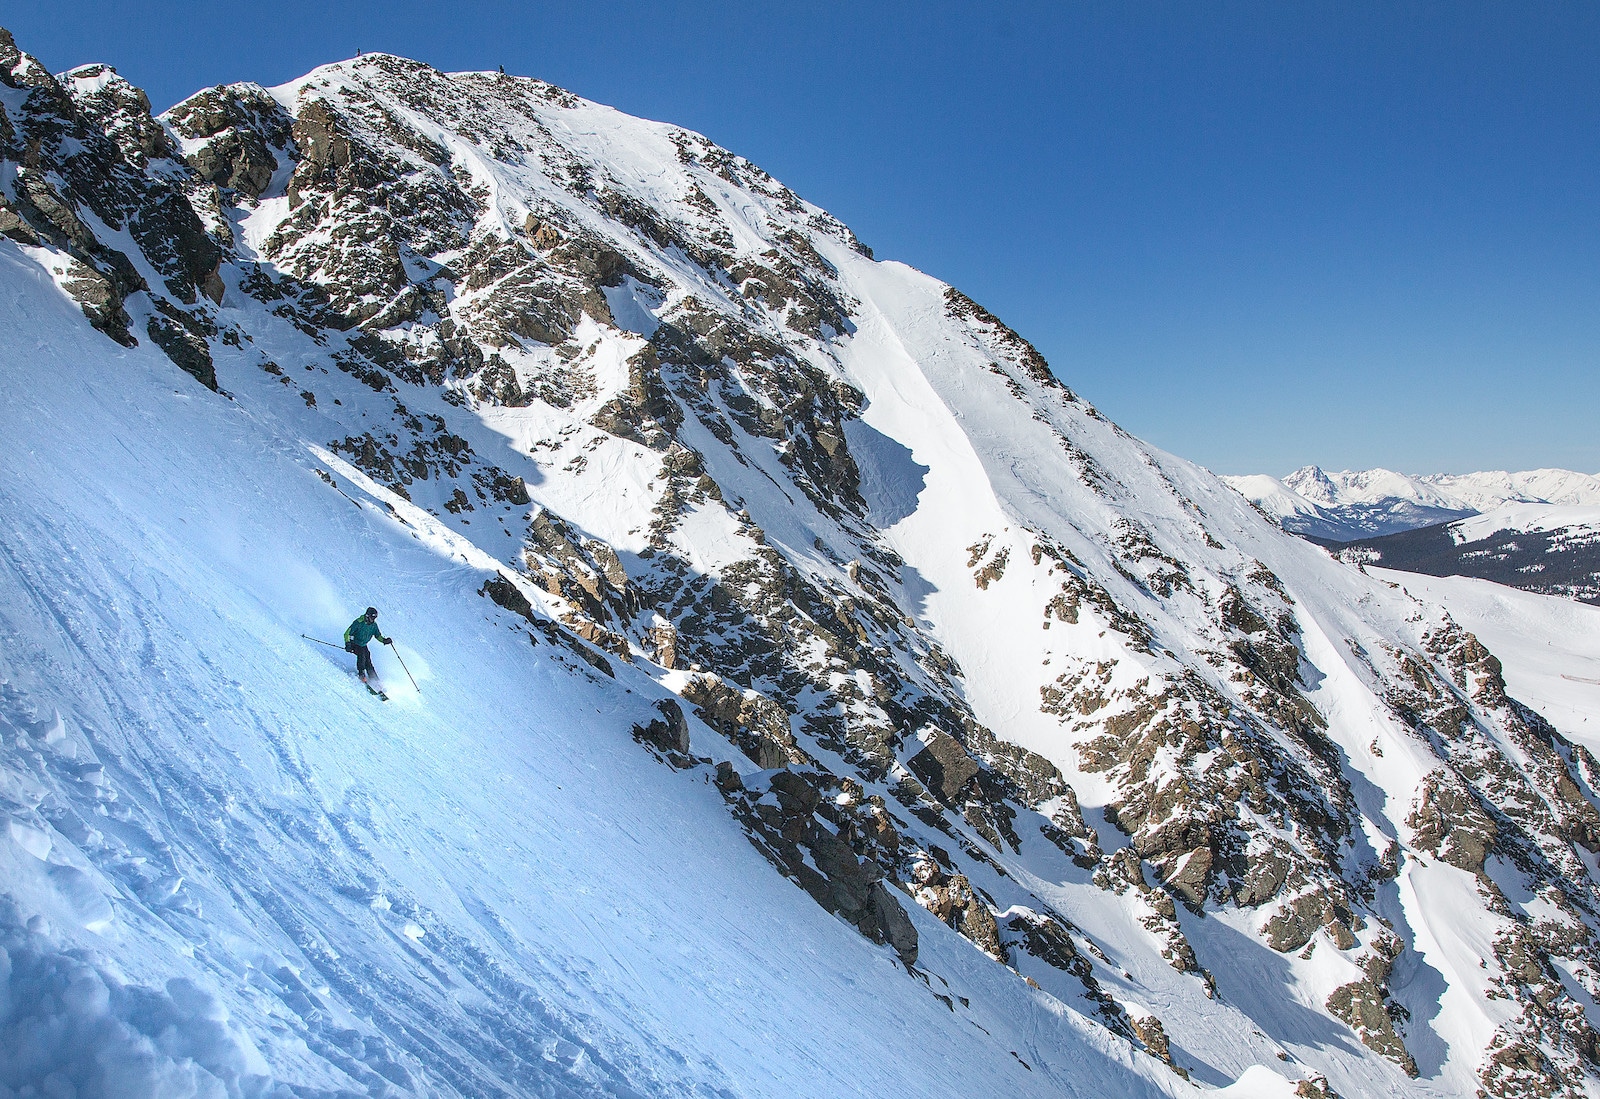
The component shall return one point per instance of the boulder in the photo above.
(1360, 1005)
(944, 766)
(669, 732)
(898, 930)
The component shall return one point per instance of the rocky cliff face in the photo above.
(980, 651)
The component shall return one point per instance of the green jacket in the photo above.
(361, 632)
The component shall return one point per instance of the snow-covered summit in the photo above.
(816, 695)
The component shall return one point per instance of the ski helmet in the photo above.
(372, 612)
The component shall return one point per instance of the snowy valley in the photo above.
(814, 695)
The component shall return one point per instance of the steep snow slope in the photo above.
(1550, 647)
(486, 888)
(718, 546)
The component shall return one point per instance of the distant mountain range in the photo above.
(1347, 506)
(1538, 530)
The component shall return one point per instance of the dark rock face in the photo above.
(1361, 1005)
(238, 128)
(1449, 823)
(670, 732)
(832, 850)
(945, 766)
(176, 335)
(1298, 919)
(13, 227)
(952, 899)
(759, 726)
(87, 145)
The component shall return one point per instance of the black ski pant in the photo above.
(364, 666)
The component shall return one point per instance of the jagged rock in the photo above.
(35, 191)
(670, 732)
(600, 637)
(797, 795)
(1047, 937)
(1518, 1069)
(1315, 1086)
(1448, 822)
(1122, 869)
(508, 595)
(757, 725)
(122, 111)
(182, 337)
(1189, 876)
(944, 765)
(1295, 921)
(821, 859)
(664, 643)
(1024, 353)
(322, 146)
(238, 125)
(897, 927)
(644, 410)
(728, 780)
(1360, 1004)
(850, 878)
(1153, 1034)
(101, 303)
(239, 160)
(1267, 873)
(952, 900)
(13, 227)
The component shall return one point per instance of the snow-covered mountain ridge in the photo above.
(1546, 548)
(1538, 530)
(1347, 506)
(722, 551)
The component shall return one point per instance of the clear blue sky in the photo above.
(1259, 235)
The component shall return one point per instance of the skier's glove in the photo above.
(388, 641)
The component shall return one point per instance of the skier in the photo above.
(356, 639)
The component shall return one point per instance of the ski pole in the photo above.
(405, 669)
(330, 644)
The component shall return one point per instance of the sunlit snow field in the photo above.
(229, 863)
